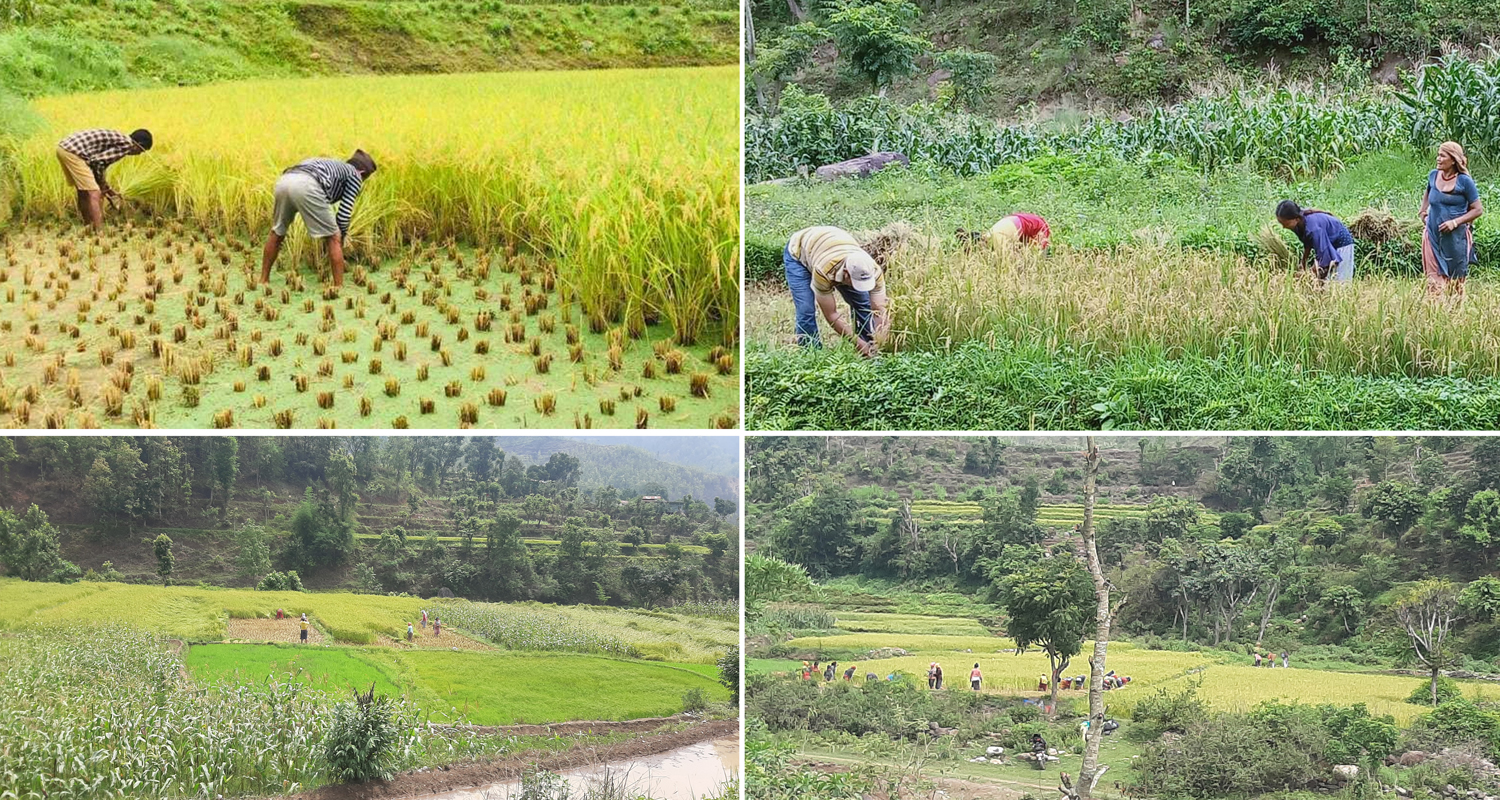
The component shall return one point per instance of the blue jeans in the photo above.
(799, 281)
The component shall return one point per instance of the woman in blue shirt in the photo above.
(1324, 237)
(1449, 205)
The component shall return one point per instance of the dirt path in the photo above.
(271, 630)
(644, 724)
(475, 774)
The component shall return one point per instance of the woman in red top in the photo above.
(1021, 229)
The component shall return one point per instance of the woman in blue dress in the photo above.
(1449, 206)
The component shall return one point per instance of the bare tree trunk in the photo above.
(1265, 618)
(760, 86)
(1089, 773)
(792, 6)
(1434, 686)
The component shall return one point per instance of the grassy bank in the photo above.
(1028, 387)
(84, 45)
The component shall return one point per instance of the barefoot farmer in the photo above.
(1450, 204)
(821, 261)
(85, 156)
(312, 189)
(1019, 229)
(1324, 237)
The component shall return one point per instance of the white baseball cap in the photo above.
(862, 271)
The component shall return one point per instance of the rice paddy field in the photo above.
(1227, 686)
(1135, 338)
(536, 250)
(201, 614)
(538, 688)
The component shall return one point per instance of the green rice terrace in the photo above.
(254, 613)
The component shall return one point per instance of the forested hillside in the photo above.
(1308, 544)
(415, 515)
(719, 455)
(618, 462)
(1016, 56)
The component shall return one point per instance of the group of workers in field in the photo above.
(824, 262)
(1269, 660)
(320, 190)
(437, 627)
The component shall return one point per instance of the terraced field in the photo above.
(1228, 686)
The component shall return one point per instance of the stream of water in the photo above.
(687, 773)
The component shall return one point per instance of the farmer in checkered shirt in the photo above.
(311, 190)
(85, 156)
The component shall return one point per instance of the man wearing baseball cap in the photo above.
(823, 260)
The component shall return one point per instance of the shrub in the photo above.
(1447, 690)
(729, 673)
(694, 700)
(1165, 711)
(1228, 755)
(287, 581)
(357, 746)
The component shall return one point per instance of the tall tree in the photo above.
(29, 548)
(1427, 612)
(165, 561)
(1104, 614)
(1046, 603)
(224, 463)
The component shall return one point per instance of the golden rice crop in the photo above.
(624, 181)
(1185, 302)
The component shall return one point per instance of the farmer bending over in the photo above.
(1322, 234)
(1019, 229)
(311, 189)
(85, 156)
(825, 259)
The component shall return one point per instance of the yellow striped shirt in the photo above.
(822, 250)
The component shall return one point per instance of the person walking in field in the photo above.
(829, 670)
(1324, 237)
(975, 677)
(312, 189)
(410, 634)
(940, 676)
(304, 627)
(932, 675)
(86, 155)
(823, 261)
(437, 626)
(1257, 658)
(1284, 660)
(424, 619)
(1449, 207)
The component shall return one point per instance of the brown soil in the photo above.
(271, 630)
(470, 775)
(584, 726)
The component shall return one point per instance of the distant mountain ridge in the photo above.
(618, 462)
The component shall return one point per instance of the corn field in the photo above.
(110, 713)
(624, 181)
(519, 628)
(1284, 133)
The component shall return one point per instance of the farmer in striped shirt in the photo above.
(312, 189)
(822, 263)
(85, 156)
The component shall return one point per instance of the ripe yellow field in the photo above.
(1228, 687)
(627, 180)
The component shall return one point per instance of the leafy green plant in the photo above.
(358, 745)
